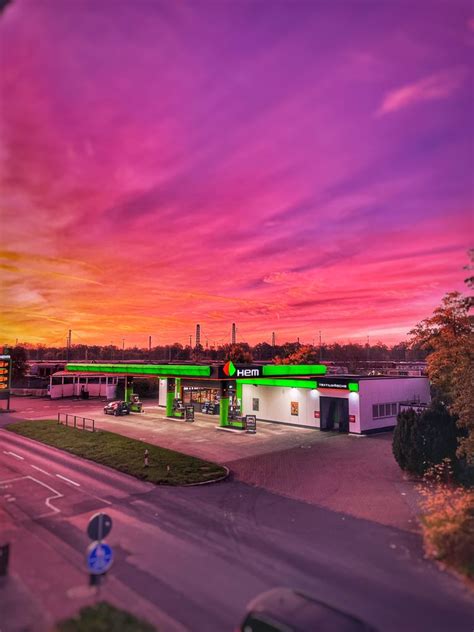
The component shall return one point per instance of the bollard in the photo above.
(146, 459)
(4, 556)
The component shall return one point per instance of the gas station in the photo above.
(297, 395)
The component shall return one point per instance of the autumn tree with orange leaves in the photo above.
(448, 335)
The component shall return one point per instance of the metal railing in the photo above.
(76, 421)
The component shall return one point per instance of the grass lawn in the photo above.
(103, 618)
(122, 453)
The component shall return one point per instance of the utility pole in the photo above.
(320, 348)
(233, 339)
(190, 341)
(198, 335)
(273, 338)
(149, 344)
(68, 345)
(123, 349)
(368, 348)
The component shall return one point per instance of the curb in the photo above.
(214, 480)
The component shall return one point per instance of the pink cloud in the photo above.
(438, 86)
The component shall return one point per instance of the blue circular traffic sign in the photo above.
(99, 558)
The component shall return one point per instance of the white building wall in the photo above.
(162, 392)
(387, 391)
(275, 404)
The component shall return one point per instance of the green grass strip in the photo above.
(103, 617)
(166, 467)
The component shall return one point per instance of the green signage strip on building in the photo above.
(279, 382)
(172, 370)
(294, 369)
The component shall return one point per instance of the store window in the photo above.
(384, 410)
(255, 403)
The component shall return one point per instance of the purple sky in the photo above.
(289, 166)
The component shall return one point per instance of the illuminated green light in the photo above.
(294, 369)
(353, 386)
(171, 370)
(279, 382)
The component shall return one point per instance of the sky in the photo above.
(289, 166)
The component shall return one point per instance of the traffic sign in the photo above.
(99, 527)
(99, 558)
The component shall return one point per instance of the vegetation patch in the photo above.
(103, 617)
(448, 520)
(165, 467)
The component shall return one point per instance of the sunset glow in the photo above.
(291, 167)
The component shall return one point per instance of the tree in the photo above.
(306, 354)
(240, 353)
(421, 440)
(449, 337)
(19, 362)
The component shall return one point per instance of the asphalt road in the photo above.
(191, 558)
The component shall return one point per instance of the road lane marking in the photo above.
(102, 500)
(47, 501)
(40, 470)
(12, 480)
(50, 498)
(17, 456)
(68, 480)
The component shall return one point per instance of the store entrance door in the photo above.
(334, 414)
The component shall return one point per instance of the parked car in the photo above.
(117, 408)
(287, 610)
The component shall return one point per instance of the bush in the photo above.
(421, 440)
(102, 617)
(448, 520)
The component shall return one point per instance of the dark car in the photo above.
(287, 610)
(117, 408)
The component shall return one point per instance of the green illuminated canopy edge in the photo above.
(279, 382)
(294, 369)
(143, 369)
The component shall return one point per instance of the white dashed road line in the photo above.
(40, 470)
(68, 480)
(17, 456)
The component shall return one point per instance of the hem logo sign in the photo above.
(230, 370)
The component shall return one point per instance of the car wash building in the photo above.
(299, 395)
